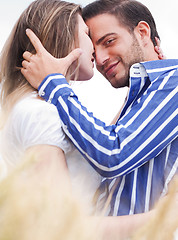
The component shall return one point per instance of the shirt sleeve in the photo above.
(37, 122)
(146, 128)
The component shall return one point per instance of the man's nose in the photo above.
(101, 57)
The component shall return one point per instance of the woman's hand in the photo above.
(36, 67)
(158, 49)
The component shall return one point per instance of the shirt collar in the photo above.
(137, 70)
(140, 73)
(155, 68)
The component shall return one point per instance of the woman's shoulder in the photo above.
(32, 104)
(37, 122)
(33, 110)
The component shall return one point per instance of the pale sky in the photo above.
(97, 94)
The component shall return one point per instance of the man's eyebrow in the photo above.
(102, 38)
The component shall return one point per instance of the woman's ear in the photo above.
(143, 32)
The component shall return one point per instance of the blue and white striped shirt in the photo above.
(137, 156)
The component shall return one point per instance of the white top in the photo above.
(33, 122)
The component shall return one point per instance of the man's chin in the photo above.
(118, 83)
(114, 83)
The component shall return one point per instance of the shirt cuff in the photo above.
(51, 84)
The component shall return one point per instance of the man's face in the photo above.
(116, 49)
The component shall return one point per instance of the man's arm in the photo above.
(140, 135)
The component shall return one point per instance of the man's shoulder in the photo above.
(161, 65)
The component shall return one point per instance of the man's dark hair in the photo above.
(128, 12)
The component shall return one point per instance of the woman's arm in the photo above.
(50, 163)
(160, 222)
(121, 227)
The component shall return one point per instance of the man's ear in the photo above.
(143, 32)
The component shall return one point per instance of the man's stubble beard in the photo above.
(135, 55)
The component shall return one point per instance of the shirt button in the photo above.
(42, 94)
(50, 100)
(65, 127)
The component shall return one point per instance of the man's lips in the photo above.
(109, 70)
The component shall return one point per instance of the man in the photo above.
(137, 156)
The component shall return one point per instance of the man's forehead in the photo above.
(103, 22)
(101, 27)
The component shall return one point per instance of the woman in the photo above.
(32, 126)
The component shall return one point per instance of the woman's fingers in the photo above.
(158, 49)
(158, 42)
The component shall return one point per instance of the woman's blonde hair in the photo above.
(55, 23)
